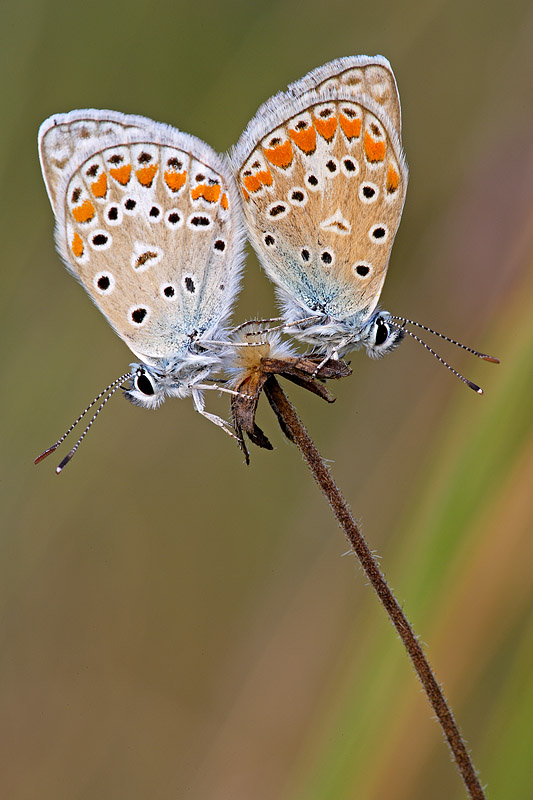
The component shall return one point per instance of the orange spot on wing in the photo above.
(77, 245)
(245, 194)
(375, 151)
(146, 175)
(252, 183)
(261, 178)
(209, 193)
(393, 179)
(175, 180)
(326, 127)
(304, 139)
(265, 176)
(99, 187)
(224, 202)
(281, 155)
(83, 213)
(351, 127)
(121, 174)
(212, 193)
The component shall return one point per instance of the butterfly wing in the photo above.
(323, 179)
(148, 220)
(360, 75)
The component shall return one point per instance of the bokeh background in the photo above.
(176, 625)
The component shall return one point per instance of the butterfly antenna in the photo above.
(484, 356)
(472, 385)
(109, 391)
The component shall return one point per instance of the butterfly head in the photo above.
(149, 387)
(379, 336)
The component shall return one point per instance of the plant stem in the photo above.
(296, 432)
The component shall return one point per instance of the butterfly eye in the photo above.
(383, 337)
(143, 383)
(382, 333)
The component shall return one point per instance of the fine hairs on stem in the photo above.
(295, 431)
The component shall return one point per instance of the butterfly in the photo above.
(148, 220)
(323, 180)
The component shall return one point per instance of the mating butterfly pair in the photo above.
(150, 220)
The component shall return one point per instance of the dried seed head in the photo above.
(258, 343)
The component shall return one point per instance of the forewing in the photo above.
(148, 221)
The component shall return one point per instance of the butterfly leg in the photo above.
(333, 354)
(255, 322)
(281, 327)
(217, 388)
(199, 405)
(221, 343)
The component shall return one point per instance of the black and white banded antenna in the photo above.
(484, 356)
(109, 391)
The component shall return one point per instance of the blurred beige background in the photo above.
(176, 625)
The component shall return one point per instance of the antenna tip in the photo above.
(46, 453)
(65, 461)
(491, 359)
(475, 387)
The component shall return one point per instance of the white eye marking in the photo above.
(104, 282)
(138, 315)
(368, 192)
(155, 213)
(349, 167)
(168, 291)
(378, 233)
(278, 210)
(297, 196)
(363, 269)
(130, 206)
(312, 181)
(199, 222)
(100, 240)
(173, 219)
(144, 256)
(189, 283)
(332, 168)
(113, 214)
(327, 257)
(337, 224)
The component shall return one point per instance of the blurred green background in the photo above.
(176, 625)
